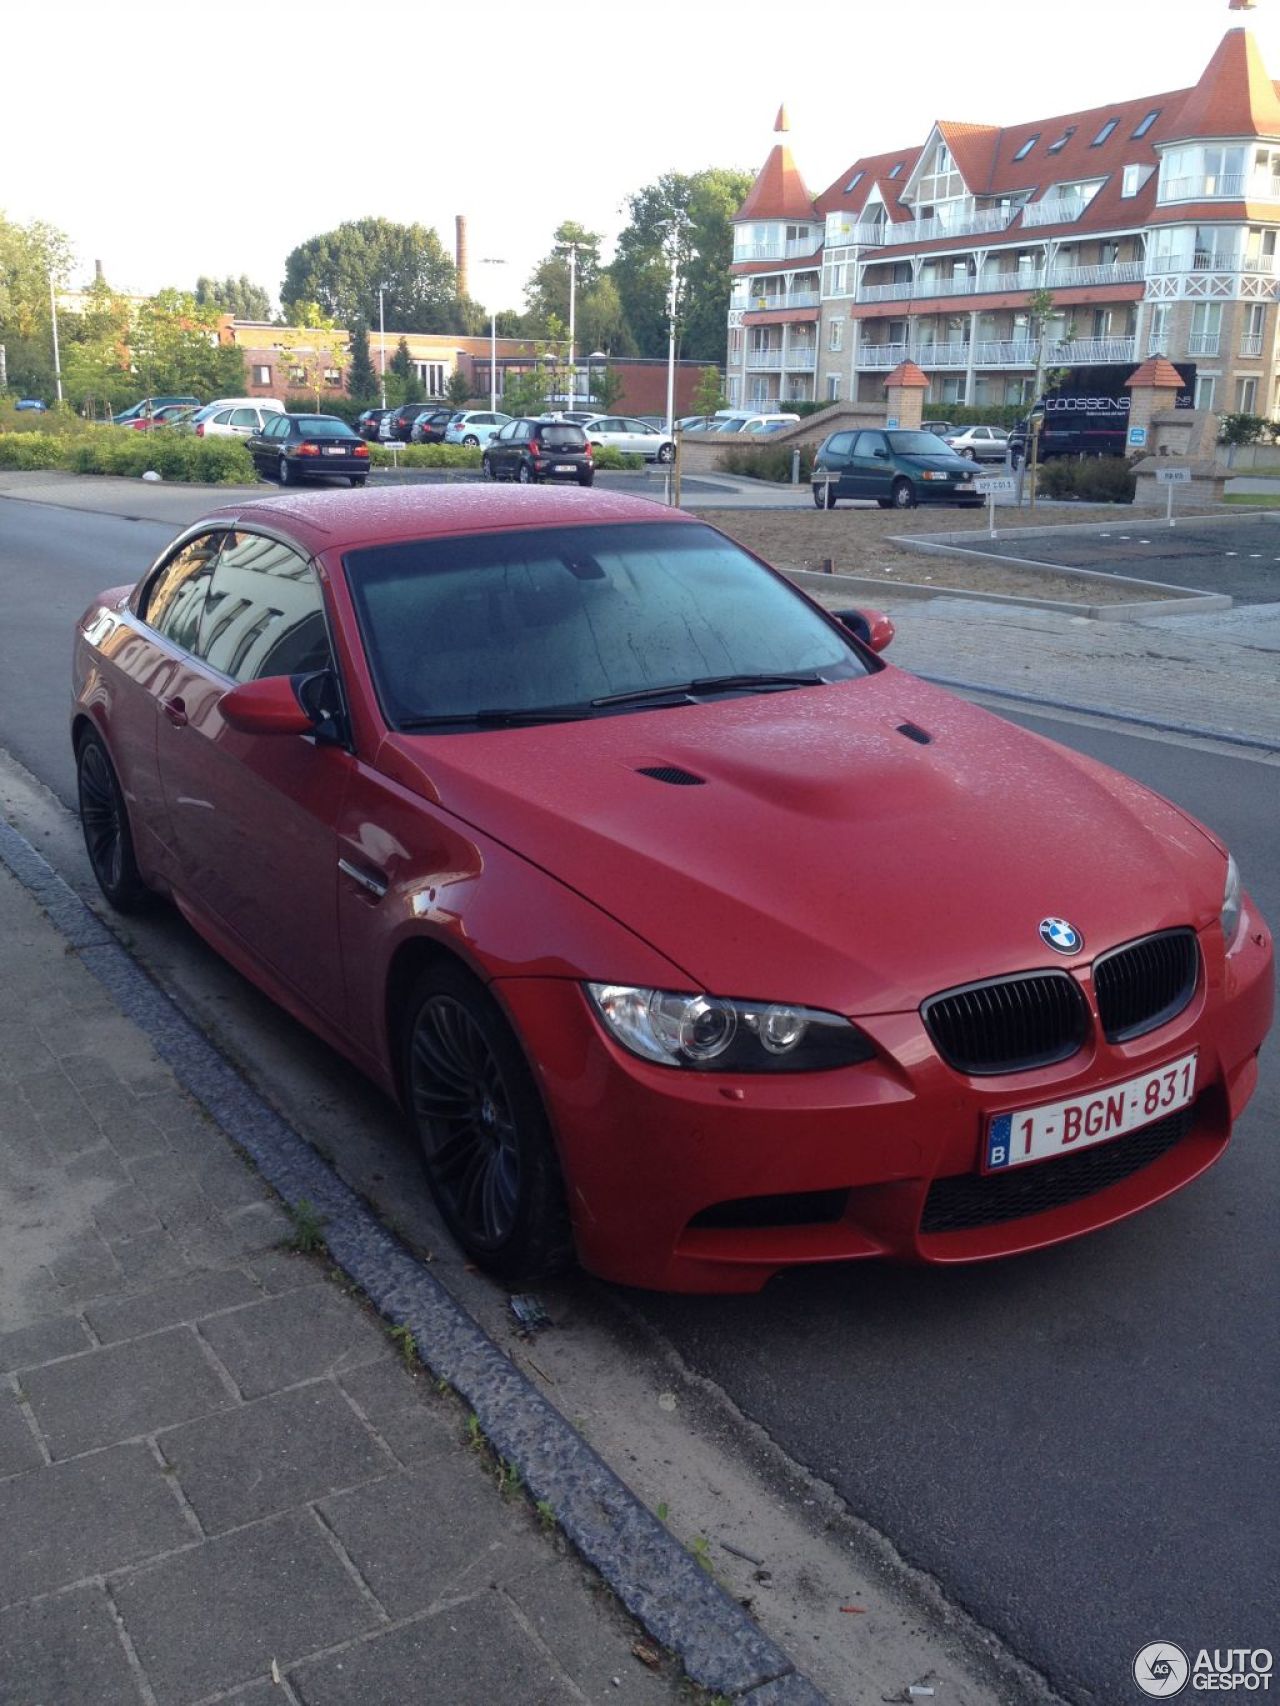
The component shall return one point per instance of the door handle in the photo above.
(176, 711)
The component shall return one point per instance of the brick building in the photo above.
(1152, 221)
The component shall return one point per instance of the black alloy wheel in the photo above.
(104, 819)
(488, 1151)
(903, 495)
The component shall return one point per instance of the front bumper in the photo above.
(689, 1181)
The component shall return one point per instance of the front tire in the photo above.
(284, 473)
(471, 442)
(667, 453)
(486, 1142)
(104, 818)
(903, 495)
(824, 495)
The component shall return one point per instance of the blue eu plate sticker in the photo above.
(998, 1134)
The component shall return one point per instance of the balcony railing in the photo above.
(802, 359)
(961, 225)
(1203, 343)
(1158, 343)
(804, 245)
(1222, 186)
(759, 251)
(1055, 210)
(1214, 260)
(1090, 350)
(793, 299)
(883, 355)
(1009, 352)
(1106, 272)
(856, 235)
(942, 355)
(765, 357)
(1251, 343)
(898, 292)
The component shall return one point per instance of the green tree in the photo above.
(547, 291)
(30, 256)
(408, 384)
(525, 393)
(606, 388)
(174, 348)
(342, 270)
(313, 350)
(238, 296)
(96, 347)
(708, 394)
(458, 390)
(693, 214)
(362, 380)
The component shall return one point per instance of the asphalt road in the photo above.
(1238, 555)
(1077, 1444)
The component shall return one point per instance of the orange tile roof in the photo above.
(1234, 97)
(779, 191)
(871, 170)
(906, 376)
(1158, 372)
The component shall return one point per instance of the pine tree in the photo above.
(362, 380)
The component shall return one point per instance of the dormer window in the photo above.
(1061, 143)
(1027, 146)
(1146, 124)
(1104, 133)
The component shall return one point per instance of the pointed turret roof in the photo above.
(779, 191)
(1234, 96)
(1157, 372)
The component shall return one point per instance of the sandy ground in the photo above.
(858, 542)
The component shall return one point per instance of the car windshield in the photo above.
(557, 618)
(918, 444)
(323, 426)
(562, 435)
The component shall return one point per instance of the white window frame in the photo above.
(835, 336)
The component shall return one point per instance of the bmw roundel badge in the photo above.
(1058, 934)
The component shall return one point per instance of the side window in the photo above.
(278, 426)
(264, 614)
(174, 598)
(869, 442)
(244, 418)
(222, 418)
(841, 444)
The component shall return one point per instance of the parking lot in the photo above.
(1236, 555)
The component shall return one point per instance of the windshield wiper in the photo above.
(502, 717)
(688, 690)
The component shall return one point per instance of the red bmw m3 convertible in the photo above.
(694, 938)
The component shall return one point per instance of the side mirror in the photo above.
(872, 627)
(883, 455)
(266, 707)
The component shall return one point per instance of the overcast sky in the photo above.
(180, 138)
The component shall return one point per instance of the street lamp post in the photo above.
(595, 355)
(573, 288)
(493, 261)
(382, 346)
(53, 313)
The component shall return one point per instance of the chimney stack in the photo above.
(97, 271)
(460, 257)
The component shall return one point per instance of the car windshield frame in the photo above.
(934, 446)
(557, 622)
(322, 427)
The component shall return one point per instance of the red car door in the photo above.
(253, 815)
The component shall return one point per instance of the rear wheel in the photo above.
(969, 453)
(359, 479)
(666, 453)
(903, 495)
(587, 479)
(526, 476)
(104, 819)
(471, 441)
(486, 1143)
(486, 467)
(283, 471)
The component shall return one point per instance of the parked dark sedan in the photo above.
(400, 422)
(291, 448)
(367, 422)
(427, 426)
(898, 468)
(530, 451)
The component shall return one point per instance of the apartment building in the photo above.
(1152, 222)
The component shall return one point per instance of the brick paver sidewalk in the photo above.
(215, 1468)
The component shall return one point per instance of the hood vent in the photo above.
(672, 775)
(914, 732)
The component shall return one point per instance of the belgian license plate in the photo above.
(334, 450)
(966, 486)
(1058, 1128)
(564, 468)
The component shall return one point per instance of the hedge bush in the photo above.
(1095, 479)
(115, 450)
(424, 456)
(767, 462)
(613, 460)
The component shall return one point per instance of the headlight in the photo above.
(936, 474)
(707, 1033)
(1231, 903)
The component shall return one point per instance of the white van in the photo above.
(234, 417)
(742, 420)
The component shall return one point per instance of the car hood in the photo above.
(825, 855)
(949, 464)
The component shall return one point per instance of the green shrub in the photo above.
(1245, 429)
(117, 450)
(613, 460)
(767, 462)
(978, 414)
(1094, 479)
(424, 456)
